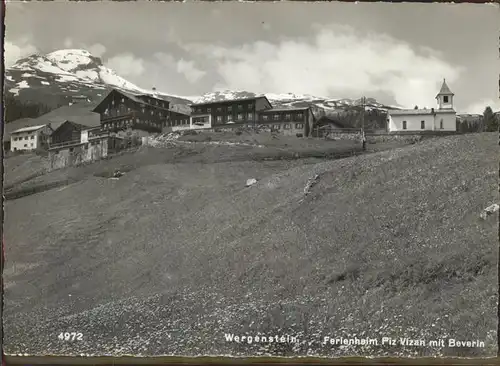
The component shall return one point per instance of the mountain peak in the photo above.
(67, 67)
(55, 77)
(72, 59)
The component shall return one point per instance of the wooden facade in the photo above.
(121, 111)
(289, 121)
(238, 111)
(67, 132)
(177, 119)
(332, 122)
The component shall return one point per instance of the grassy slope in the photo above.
(171, 256)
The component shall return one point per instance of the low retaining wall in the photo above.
(405, 137)
(293, 131)
(356, 136)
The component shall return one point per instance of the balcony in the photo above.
(71, 143)
(118, 118)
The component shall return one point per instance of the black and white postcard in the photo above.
(237, 179)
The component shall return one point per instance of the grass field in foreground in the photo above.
(173, 255)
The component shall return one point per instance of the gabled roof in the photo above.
(228, 101)
(28, 129)
(445, 90)
(78, 113)
(134, 97)
(79, 126)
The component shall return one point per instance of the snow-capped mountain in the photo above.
(53, 79)
(321, 105)
(58, 76)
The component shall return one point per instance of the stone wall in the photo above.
(405, 137)
(130, 133)
(259, 128)
(343, 135)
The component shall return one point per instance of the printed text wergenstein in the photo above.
(260, 338)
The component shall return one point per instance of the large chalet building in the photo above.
(126, 113)
(241, 111)
(250, 112)
(122, 111)
(288, 121)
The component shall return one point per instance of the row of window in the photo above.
(122, 108)
(156, 102)
(199, 120)
(25, 145)
(178, 122)
(239, 117)
(422, 125)
(277, 117)
(128, 123)
(229, 108)
(25, 138)
(265, 117)
(287, 126)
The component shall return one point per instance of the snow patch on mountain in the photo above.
(69, 71)
(73, 65)
(69, 60)
(223, 95)
(23, 84)
(291, 100)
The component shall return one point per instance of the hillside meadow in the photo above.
(177, 252)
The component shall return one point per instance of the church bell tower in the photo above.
(445, 97)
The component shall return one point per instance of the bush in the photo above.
(238, 132)
(299, 135)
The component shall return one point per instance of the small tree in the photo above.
(489, 120)
(416, 107)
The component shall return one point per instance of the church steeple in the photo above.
(445, 97)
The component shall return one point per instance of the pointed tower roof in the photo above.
(445, 90)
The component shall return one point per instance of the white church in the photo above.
(442, 118)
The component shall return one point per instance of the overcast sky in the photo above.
(396, 53)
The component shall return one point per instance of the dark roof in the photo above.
(77, 125)
(134, 97)
(80, 113)
(324, 120)
(231, 101)
(179, 114)
(445, 90)
(285, 109)
(138, 98)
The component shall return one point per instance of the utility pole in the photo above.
(363, 140)
(363, 102)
